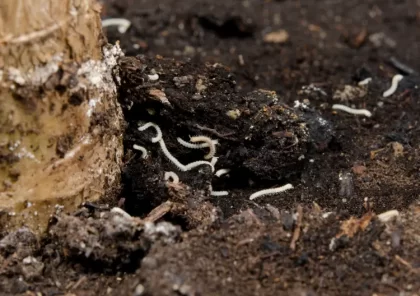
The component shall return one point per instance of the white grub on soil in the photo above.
(195, 146)
(179, 165)
(172, 158)
(158, 131)
(270, 191)
(219, 193)
(388, 216)
(394, 85)
(142, 149)
(221, 172)
(153, 77)
(214, 160)
(123, 24)
(195, 164)
(365, 81)
(364, 112)
(165, 150)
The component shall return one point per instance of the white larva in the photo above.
(270, 191)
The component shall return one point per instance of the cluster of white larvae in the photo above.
(197, 142)
(394, 85)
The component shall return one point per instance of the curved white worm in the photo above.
(270, 191)
(388, 216)
(222, 172)
(394, 85)
(351, 110)
(122, 24)
(194, 164)
(195, 146)
(142, 149)
(207, 140)
(179, 165)
(158, 131)
(214, 160)
(365, 81)
(171, 175)
(172, 158)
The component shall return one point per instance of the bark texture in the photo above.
(60, 123)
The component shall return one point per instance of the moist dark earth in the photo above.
(260, 77)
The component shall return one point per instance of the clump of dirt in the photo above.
(114, 240)
(260, 140)
(20, 243)
(251, 253)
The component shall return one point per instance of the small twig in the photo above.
(269, 255)
(296, 233)
(90, 205)
(254, 217)
(408, 264)
(159, 212)
(146, 85)
(214, 132)
(396, 288)
(78, 283)
(292, 145)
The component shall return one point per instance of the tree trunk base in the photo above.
(60, 138)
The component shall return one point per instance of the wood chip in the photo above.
(158, 212)
(353, 225)
(159, 95)
(360, 38)
(296, 233)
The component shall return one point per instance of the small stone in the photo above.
(22, 242)
(234, 114)
(139, 290)
(182, 80)
(199, 85)
(398, 149)
(346, 185)
(359, 169)
(32, 269)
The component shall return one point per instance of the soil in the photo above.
(260, 77)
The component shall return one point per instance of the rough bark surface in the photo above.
(60, 123)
